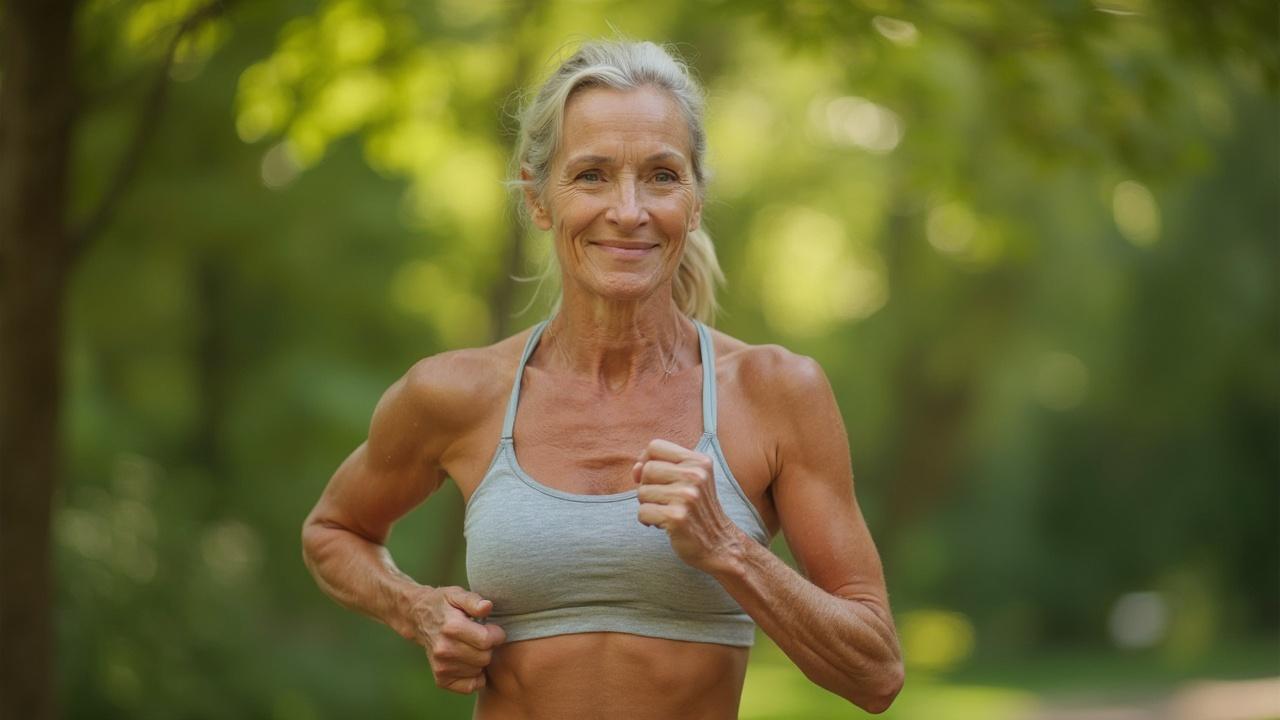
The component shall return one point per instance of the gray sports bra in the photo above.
(555, 562)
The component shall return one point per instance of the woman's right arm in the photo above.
(397, 468)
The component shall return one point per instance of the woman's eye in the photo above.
(591, 176)
(665, 176)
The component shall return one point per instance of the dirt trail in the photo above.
(1200, 700)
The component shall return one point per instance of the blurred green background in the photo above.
(1033, 244)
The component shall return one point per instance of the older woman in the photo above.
(624, 466)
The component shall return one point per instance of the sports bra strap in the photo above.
(708, 379)
(509, 422)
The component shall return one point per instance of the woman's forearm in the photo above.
(845, 645)
(360, 575)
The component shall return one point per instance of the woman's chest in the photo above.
(582, 442)
(588, 444)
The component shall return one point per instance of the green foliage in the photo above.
(1032, 244)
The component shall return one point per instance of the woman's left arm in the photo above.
(835, 625)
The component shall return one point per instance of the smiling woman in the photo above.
(624, 201)
(619, 565)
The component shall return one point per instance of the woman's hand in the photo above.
(678, 494)
(458, 648)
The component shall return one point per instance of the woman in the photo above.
(619, 561)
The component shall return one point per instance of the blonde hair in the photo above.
(623, 65)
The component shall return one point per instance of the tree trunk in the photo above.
(37, 111)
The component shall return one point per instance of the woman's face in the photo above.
(621, 195)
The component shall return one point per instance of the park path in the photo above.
(1199, 700)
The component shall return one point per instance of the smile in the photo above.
(625, 250)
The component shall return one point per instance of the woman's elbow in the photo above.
(308, 542)
(316, 535)
(876, 700)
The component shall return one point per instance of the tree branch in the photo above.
(148, 120)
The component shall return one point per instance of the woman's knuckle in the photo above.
(460, 683)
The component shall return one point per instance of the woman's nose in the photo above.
(626, 211)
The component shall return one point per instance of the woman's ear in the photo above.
(541, 218)
(695, 221)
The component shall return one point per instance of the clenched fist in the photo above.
(677, 492)
(458, 648)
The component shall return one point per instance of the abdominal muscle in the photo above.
(612, 676)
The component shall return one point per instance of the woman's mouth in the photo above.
(625, 249)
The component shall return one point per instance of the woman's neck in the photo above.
(620, 344)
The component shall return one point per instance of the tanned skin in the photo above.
(599, 414)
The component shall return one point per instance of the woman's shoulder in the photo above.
(782, 398)
(769, 373)
(767, 362)
(460, 383)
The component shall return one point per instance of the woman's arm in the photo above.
(415, 423)
(836, 625)
(842, 642)
(388, 475)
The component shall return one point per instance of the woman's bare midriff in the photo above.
(612, 676)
